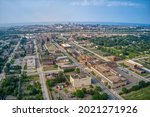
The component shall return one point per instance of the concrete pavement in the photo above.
(41, 76)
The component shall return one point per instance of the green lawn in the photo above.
(142, 94)
(34, 77)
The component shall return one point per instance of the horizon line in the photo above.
(59, 22)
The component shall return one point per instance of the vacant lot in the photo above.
(142, 94)
(51, 47)
(49, 67)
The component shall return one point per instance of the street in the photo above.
(41, 76)
(11, 56)
(2, 75)
(101, 57)
(111, 93)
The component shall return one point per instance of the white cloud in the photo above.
(108, 3)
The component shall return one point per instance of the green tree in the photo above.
(2, 93)
(98, 96)
(6, 70)
(91, 92)
(79, 93)
(135, 88)
(142, 84)
(125, 90)
(84, 90)
(98, 88)
(104, 96)
(77, 70)
(50, 83)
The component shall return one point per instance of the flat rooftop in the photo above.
(109, 73)
(66, 45)
(134, 63)
(79, 76)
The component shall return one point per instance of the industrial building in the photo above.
(80, 80)
(108, 75)
(136, 67)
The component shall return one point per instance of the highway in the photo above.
(113, 95)
(41, 75)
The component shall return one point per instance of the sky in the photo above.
(26, 11)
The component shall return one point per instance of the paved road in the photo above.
(132, 74)
(139, 58)
(41, 75)
(146, 69)
(113, 95)
(2, 75)
(11, 56)
(101, 57)
(45, 72)
(128, 76)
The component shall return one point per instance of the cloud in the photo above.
(108, 3)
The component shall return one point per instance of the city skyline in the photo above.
(26, 11)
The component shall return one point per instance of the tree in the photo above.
(79, 93)
(2, 94)
(12, 61)
(38, 97)
(91, 92)
(104, 96)
(84, 90)
(8, 86)
(98, 96)
(106, 83)
(68, 70)
(6, 70)
(8, 65)
(60, 75)
(24, 75)
(33, 91)
(135, 88)
(98, 88)
(142, 84)
(125, 90)
(91, 86)
(109, 86)
(50, 83)
(77, 70)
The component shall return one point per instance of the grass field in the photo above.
(51, 47)
(142, 94)
(49, 67)
(34, 77)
